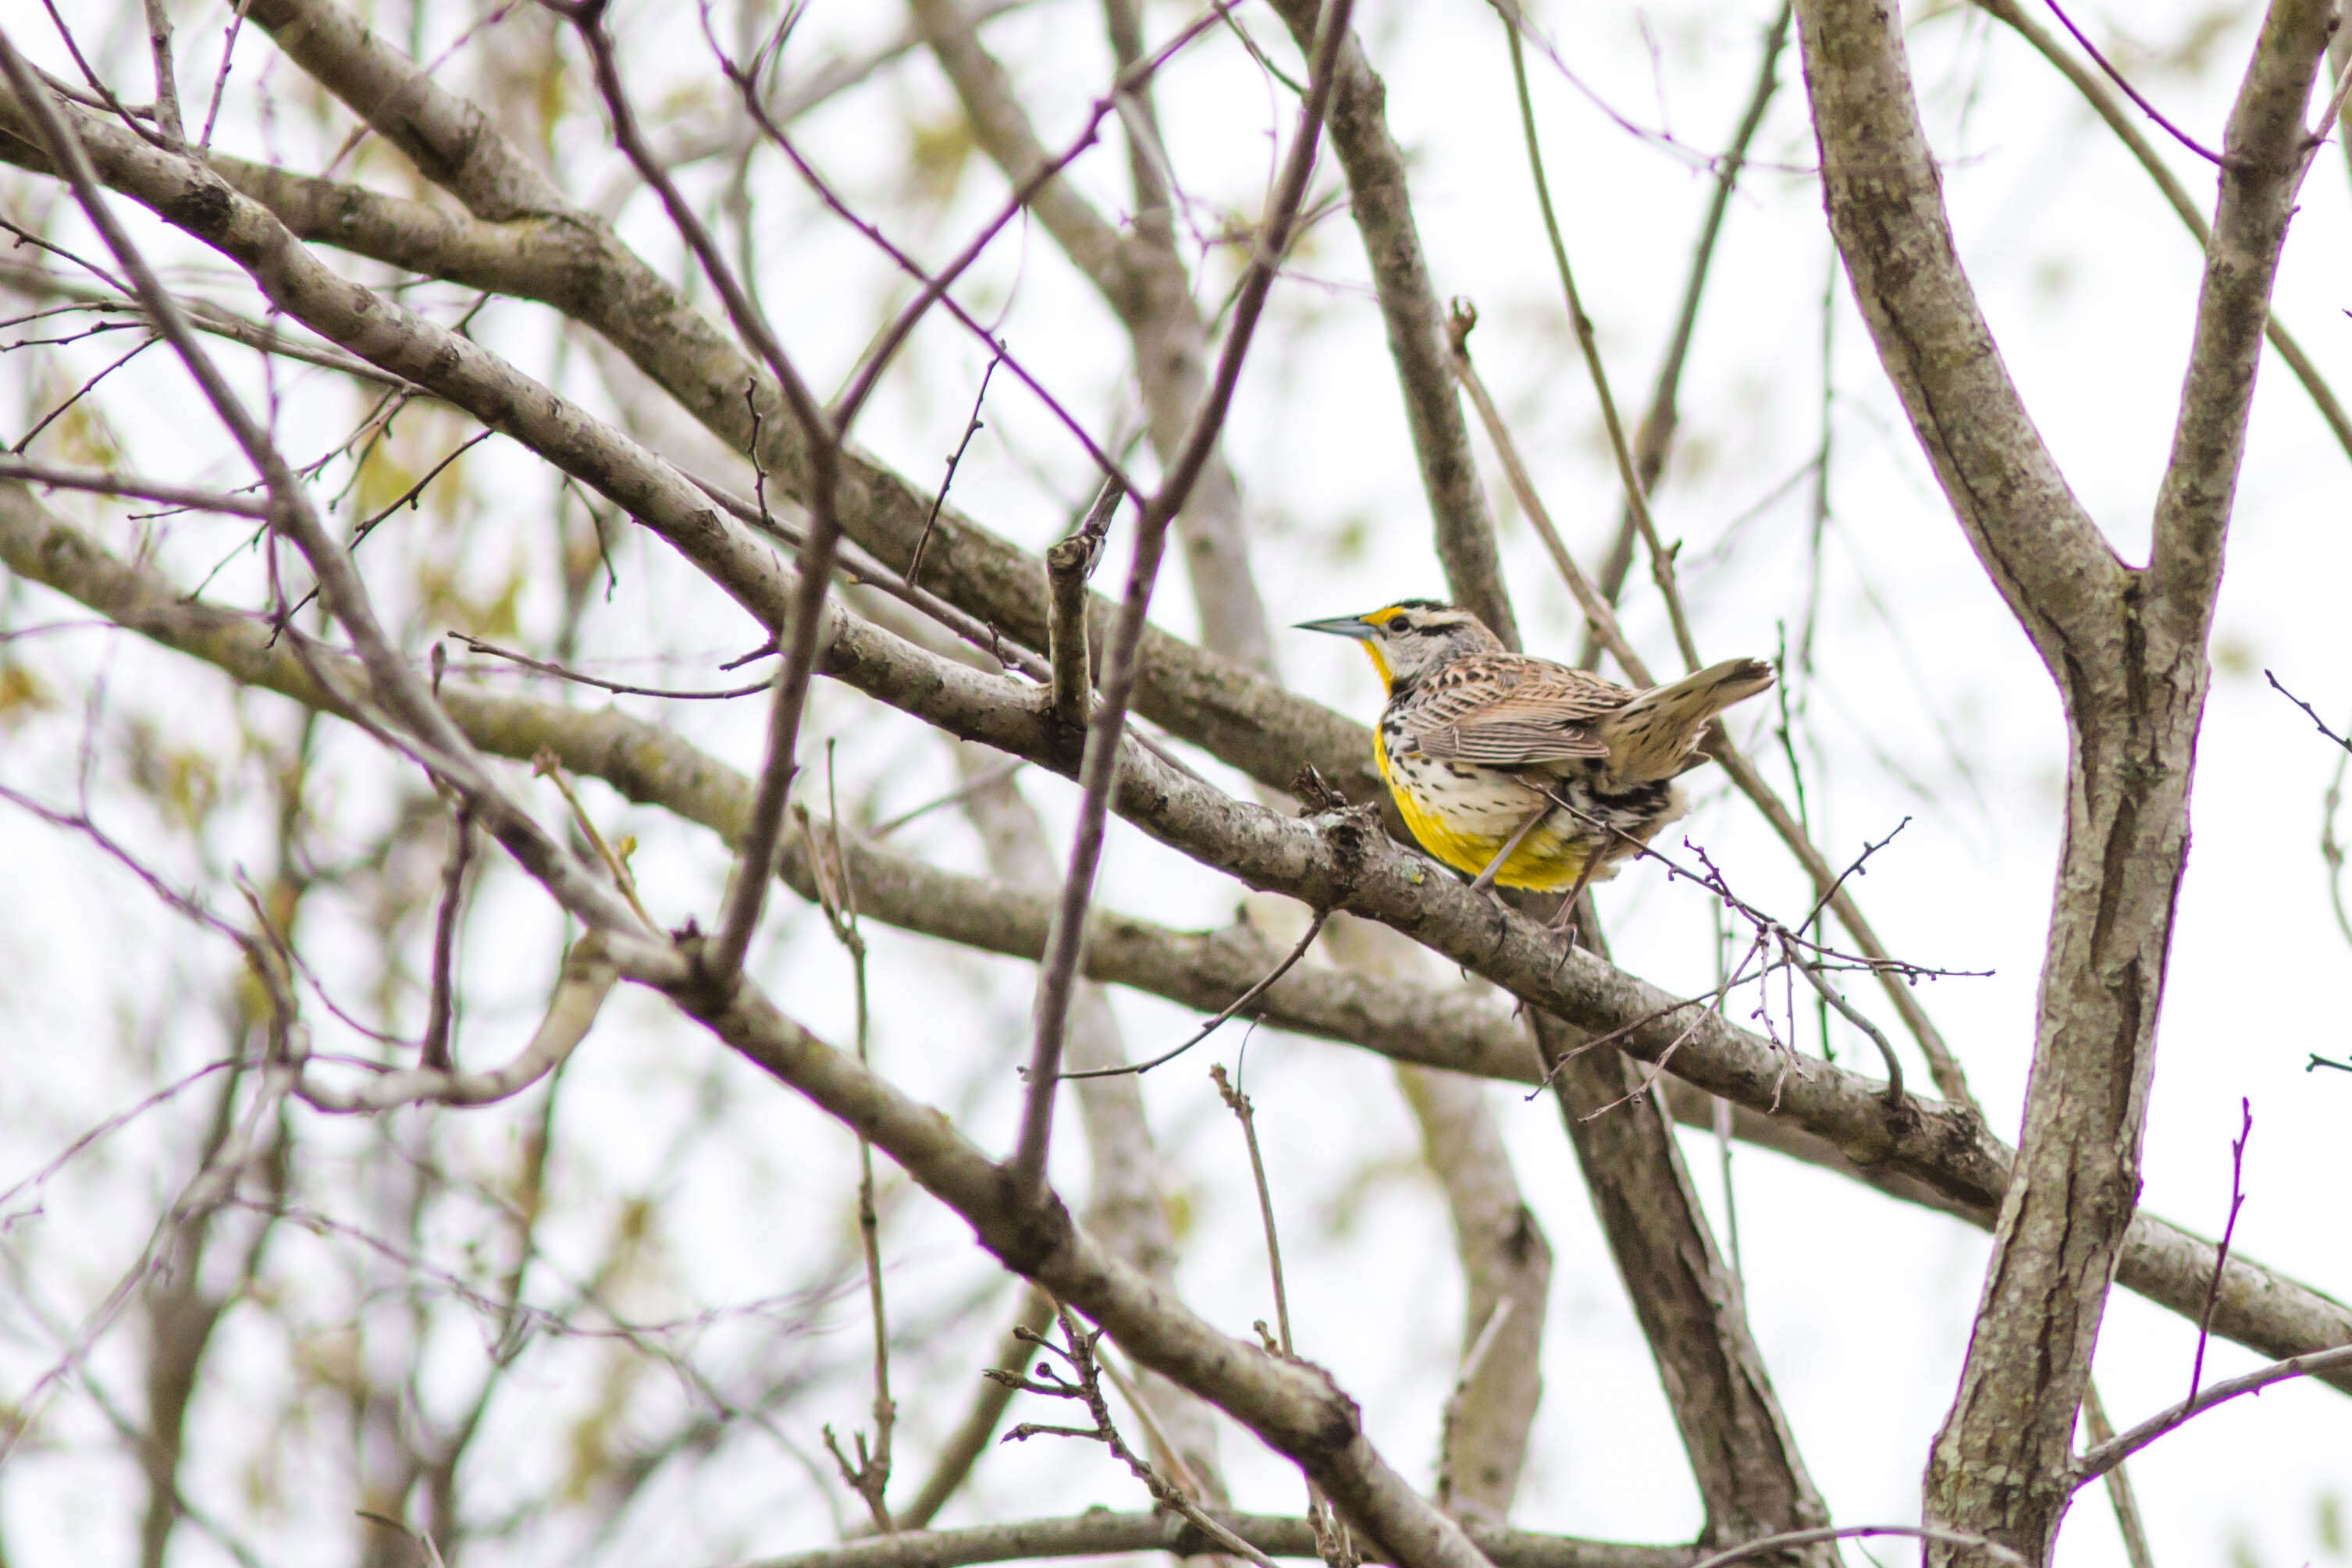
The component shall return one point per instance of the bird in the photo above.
(1523, 773)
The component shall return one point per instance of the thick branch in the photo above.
(1813, 1114)
(2129, 654)
(1103, 1533)
(1885, 206)
(2268, 151)
(1742, 1453)
(1294, 1407)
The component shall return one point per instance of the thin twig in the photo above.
(935, 288)
(1086, 1390)
(1829, 993)
(32, 473)
(167, 86)
(971, 428)
(479, 646)
(220, 78)
(547, 765)
(2221, 1252)
(441, 1010)
(2307, 708)
(970, 1438)
(2128, 1524)
(433, 738)
(130, 117)
(837, 895)
(1099, 767)
(1603, 621)
(721, 958)
(1765, 1545)
(1265, 983)
(2099, 1461)
(1239, 1103)
(2133, 93)
(1661, 559)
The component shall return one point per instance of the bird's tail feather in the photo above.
(1653, 736)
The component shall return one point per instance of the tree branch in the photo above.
(587, 978)
(1743, 1455)
(1100, 1533)
(1886, 204)
(1294, 1407)
(1798, 1106)
(2175, 195)
(2269, 152)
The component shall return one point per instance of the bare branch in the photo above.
(2269, 152)
(2099, 1461)
(1066, 644)
(1294, 1407)
(2133, 93)
(973, 1434)
(1603, 630)
(1141, 277)
(2221, 1251)
(2049, 560)
(1742, 1453)
(1101, 1532)
(167, 88)
(394, 682)
(2128, 1524)
(1507, 1263)
(2175, 195)
(131, 484)
(823, 435)
(1765, 1546)
(1799, 1106)
(587, 980)
(1098, 770)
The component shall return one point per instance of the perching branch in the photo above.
(1809, 1109)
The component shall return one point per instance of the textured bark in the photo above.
(1742, 1454)
(2127, 649)
(1100, 1533)
(1799, 1106)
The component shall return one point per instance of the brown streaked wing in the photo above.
(1513, 712)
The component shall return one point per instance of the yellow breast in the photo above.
(1464, 820)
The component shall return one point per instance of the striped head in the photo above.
(1412, 637)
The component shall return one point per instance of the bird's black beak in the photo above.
(1354, 626)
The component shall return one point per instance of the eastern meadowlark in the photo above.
(1522, 771)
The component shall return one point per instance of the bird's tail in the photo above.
(1652, 737)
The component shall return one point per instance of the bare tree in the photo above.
(453, 402)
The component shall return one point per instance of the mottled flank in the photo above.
(1476, 740)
